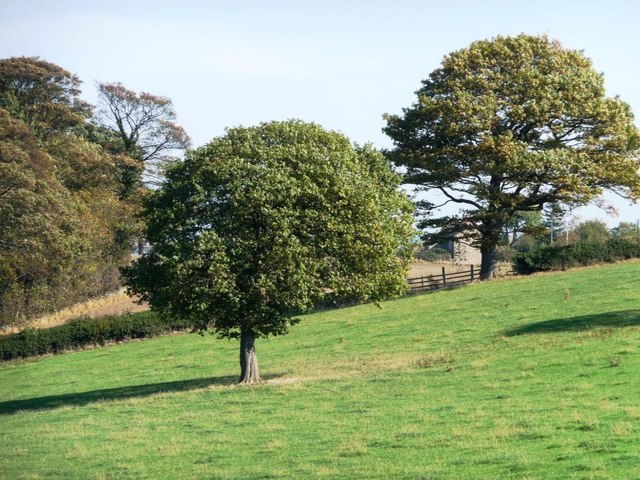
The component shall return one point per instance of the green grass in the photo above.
(527, 378)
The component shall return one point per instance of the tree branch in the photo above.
(459, 200)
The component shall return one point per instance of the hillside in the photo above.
(526, 378)
(119, 302)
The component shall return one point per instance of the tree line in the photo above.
(72, 179)
(555, 227)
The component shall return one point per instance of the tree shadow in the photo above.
(119, 393)
(622, 318)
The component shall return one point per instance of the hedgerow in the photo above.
(85, 332)
(550, 258)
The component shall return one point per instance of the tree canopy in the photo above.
(509, 125)
(264, 223)
(41, 94)
(626, 231)
(594, 231)
(65, 225)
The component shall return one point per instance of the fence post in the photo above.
(472, 273)
(444, 278)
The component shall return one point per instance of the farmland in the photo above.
(527, 378)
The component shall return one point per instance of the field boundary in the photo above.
(447, 279)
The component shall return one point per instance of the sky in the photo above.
(339, 63)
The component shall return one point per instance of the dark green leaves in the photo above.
(264, 223)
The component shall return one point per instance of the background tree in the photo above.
(509, 125)
(592, 231)
(521, 224)
(555, 221)
(626, 231)
(262, 224)
(522, 232)
(29, 213)
(56, 231)
(61, 219)
(144, 130)
(42, 95)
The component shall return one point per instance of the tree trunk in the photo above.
(489, 262)
(249, 372)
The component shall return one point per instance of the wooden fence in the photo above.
(447, 279)
(443, 280)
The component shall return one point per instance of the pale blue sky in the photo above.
(341, 64)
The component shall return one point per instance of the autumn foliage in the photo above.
(66, 224)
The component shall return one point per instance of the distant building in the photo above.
(462, 251)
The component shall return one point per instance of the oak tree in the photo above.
(264, 223)
(508, 125)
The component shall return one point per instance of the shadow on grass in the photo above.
(120, 393)
(623, 318)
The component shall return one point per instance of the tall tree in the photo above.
(262, 224)
(42, 94)
(145, 130)
(508, 125)
(27, 183)
(554, 220)
(61, 221)
(35, 238)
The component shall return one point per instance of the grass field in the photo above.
(524, 378)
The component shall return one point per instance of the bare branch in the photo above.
(143, 123)
(459, 200)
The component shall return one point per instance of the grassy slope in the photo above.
(500, 380)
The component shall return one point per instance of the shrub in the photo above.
(549, 258)
(83, 332)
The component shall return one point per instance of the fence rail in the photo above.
(443, 280)
(447, 279)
